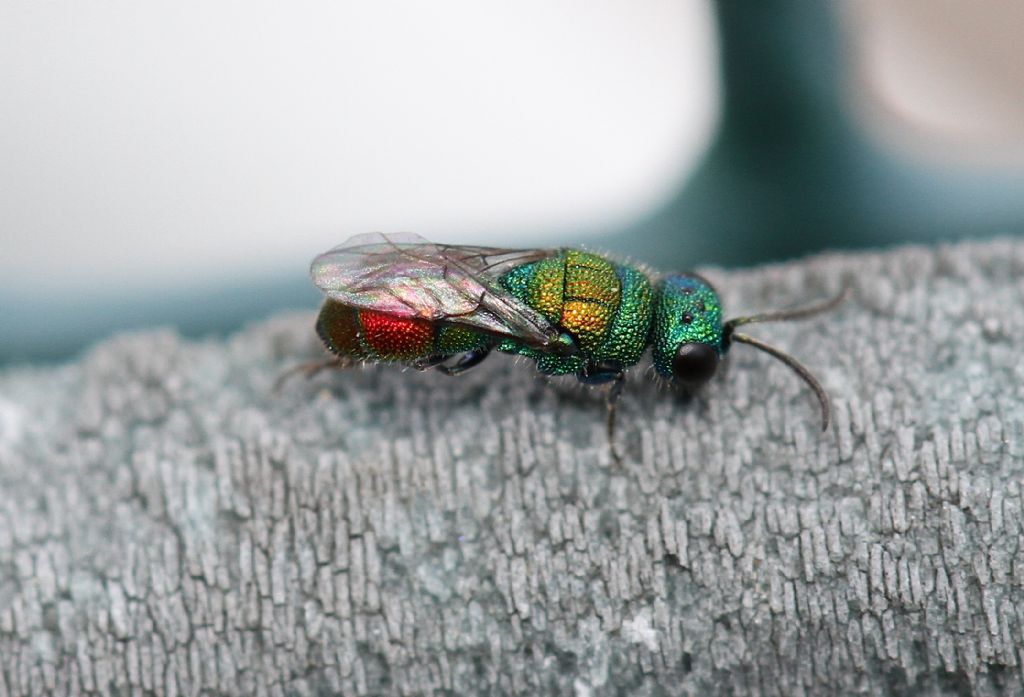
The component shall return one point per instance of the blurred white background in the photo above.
(158, 143)
(181, 162)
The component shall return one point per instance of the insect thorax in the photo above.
(605, 307)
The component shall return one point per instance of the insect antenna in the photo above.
(729, 334)
(786, 315)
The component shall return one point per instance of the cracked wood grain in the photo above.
(169, 525)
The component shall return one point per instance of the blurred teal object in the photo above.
(54, 328)
(790, 173)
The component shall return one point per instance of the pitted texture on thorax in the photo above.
(605, 307)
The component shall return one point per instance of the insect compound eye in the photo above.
(694, 364)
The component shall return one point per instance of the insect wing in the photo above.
(406, 276)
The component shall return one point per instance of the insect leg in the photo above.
(429, 362)
(465, 362)
(612, 399)
(600, 374)
(308, 370)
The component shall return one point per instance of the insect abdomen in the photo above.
(377, 336)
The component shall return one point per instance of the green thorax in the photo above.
(606, 308)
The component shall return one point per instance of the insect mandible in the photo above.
(398, 298)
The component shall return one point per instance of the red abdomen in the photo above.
(375, 336)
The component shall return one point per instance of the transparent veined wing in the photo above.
(407, 276)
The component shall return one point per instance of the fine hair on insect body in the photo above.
(397, 298)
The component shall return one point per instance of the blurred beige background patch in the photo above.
(942, 81)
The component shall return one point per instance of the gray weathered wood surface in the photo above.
(170, 525)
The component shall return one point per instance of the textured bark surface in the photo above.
(170, 525)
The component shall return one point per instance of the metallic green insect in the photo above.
(400, 298)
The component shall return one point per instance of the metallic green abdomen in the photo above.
(606, 308)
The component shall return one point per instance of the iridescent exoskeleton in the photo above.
(402, 299)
